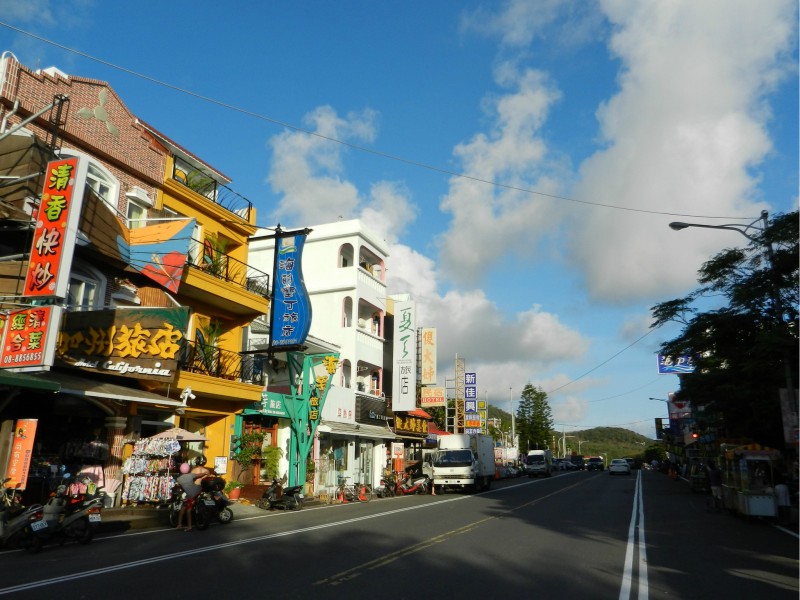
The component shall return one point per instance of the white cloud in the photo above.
(684, 134)
(490, 222)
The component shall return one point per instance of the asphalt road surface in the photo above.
(577, 534)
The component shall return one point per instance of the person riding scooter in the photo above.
(188, 482)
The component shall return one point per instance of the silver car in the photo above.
(619, 465)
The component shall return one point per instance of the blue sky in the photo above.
(522, 158)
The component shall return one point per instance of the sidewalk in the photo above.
(126, 518)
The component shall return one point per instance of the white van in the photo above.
(539, 462)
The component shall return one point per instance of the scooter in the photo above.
(275, 496)
(387, 488)
(213, 501)
(16, 521)
(70, 516)
(413, 485)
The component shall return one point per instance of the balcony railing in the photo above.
(207, 186)
(229, 269)
(198, 357)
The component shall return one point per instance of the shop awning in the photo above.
(95, 388)
(358, 430)
(21, 380)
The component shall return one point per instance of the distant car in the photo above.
(595, 463)
(619, 465)
(631, 462)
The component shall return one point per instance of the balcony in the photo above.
(205, 359)
(208, 187)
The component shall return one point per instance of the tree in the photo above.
(534, 419)
(743, 348)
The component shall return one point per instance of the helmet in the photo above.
(200, 461)
(185, 468)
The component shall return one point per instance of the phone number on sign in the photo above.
(25, 357)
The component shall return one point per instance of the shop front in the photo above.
(78, 430)
(411, 428)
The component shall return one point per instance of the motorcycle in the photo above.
(213, 500)
(275, 496)
(200, 517)
(413, 485)
(388, 486)
(16, 521)
(68, 515)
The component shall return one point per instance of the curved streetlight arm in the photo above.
(743, 229)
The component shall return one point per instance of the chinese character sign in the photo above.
(404, 376)
(30, 337)
(56, 229)
(432, 396)
(291, 306)
(19, 461)
(144, 343)
(427, 343)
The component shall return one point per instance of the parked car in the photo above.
(595, 463)
(619, 465)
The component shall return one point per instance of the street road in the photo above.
(577, 534)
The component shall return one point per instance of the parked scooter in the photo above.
(16, 521)
(213, 501)
(200, 517)
(276, 496)
(388, 486)
(70, 516)
(413, 485)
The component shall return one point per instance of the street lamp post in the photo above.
(513, 428)
(581, 442)
(777, 306)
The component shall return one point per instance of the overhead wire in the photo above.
(360, 148)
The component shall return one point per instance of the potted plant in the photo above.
(249, 448)
(234, 489)
(272, 459)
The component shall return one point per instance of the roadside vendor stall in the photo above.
(748, 480)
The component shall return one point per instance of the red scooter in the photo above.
(413, 485)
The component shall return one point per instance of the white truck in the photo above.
(539, 462)
(464, 460)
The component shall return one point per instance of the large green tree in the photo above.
(741, 326)
(534, 419)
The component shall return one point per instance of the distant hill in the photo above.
(609, 442)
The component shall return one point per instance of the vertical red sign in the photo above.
(29, 337)
(51, 239)
(19, 463)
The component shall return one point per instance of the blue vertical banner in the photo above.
(290, 308)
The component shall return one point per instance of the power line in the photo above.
(351, 145)
(609, 359)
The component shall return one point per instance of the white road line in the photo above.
(636, 526)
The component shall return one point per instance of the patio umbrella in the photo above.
(180, 434)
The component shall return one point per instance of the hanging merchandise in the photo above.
(148, 470)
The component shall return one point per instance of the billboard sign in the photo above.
(404, 375)
(56, 229)
(291, 306)
(427, 342)
(432, 396)
(30, 336)
(675, 365)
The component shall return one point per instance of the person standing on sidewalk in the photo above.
(715, 484)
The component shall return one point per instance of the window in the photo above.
(102, 183)
(137, 214)
(87, 288)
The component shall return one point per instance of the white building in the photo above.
(343, 267)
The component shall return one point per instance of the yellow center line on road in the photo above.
(391, 557)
